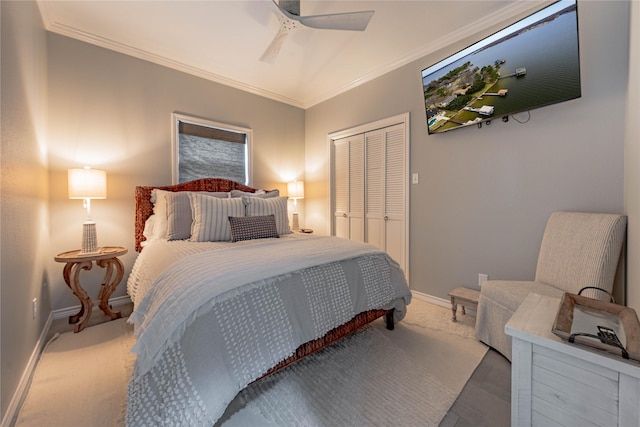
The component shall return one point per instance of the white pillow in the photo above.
(160, 212)
(256, 206)
(149, 227)
(211, 217)
(179, 216)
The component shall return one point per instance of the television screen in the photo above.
(529, 64)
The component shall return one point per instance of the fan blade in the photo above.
(351, 21)
(271, 53)
(291, 6)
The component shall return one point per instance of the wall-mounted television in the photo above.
(529, 64)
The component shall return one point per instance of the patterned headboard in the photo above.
(144, 207)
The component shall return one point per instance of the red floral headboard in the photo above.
(144, 207)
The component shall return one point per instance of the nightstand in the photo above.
(557, 383)
(107, 258)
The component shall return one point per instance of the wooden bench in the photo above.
(465, 297)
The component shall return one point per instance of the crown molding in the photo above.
(506, 13)
(52, 25)
(514, 9)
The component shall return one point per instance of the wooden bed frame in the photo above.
(144, 209)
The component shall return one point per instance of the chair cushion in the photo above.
(580, 249)
(510, 294)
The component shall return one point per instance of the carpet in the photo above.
(409, 376)
(81, 379)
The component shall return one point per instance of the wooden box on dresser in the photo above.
(554, 383)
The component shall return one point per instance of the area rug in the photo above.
(409, 377)
(362, 380)
(423, 314)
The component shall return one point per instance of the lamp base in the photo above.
(89, 238)
(295, 226)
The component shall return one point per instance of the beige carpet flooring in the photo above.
(81, 378)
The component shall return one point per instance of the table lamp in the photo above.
(296, 191)
(87, 184)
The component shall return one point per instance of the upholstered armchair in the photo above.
(578, 250)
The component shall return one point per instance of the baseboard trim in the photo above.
(432, 299)
(440, 301)
(25, 380)
(70, 311)
(23, 386)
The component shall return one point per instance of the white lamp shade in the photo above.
(87, 183)
(296, 189)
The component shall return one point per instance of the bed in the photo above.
(215, 310)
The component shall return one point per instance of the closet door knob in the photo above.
(386, 218)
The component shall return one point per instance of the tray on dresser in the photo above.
(585, 321)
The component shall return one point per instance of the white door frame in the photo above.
(367, 127)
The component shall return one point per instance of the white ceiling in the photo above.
(223, 40)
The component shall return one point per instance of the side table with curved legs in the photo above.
(107, 258)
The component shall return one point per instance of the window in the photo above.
(206, 149)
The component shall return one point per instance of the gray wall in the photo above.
(485, 194)
(113, 112)
(483, 198)
(24, 214)
(68, 104)
(632, 161)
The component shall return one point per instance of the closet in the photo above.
(369, 185)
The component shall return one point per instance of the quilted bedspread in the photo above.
(212, 318)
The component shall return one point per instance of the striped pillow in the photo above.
(210, 217)
(252, 227)
(179, 216)
(275, 205)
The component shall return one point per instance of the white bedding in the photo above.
(244, 307)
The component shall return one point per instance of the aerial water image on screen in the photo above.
(530, 64)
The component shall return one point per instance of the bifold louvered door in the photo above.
(369, 189)
(386, 177)
(349, 187)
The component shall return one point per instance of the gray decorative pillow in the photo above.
(252, 227)
(277, 206)
(210, 217)
(179, 215)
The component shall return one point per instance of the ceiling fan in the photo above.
(290, 19)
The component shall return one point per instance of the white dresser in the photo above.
(554, 383)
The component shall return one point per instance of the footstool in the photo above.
(464, 297)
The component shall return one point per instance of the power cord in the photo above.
(522, 121)
(52, 339)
